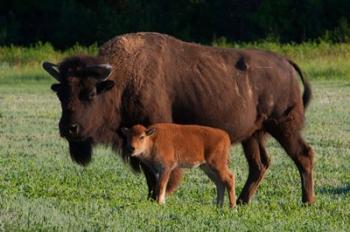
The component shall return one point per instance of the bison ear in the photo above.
(55, 87)
(124, 131)
(52, 69)
(104, 86)
(150, 131)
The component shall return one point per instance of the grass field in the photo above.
(42, 190)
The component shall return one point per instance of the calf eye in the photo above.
(142, 137)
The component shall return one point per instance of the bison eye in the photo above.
(91, 95)
(87, 95)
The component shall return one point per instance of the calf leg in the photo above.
(222, 177)
(227, 178)
(174, 180)
(258, 162)
(162, 185)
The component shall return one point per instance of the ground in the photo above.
(41, 189)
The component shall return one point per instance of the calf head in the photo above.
(138, 139)
(83, 80)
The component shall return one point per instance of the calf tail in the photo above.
(174, 180)
(307, 95)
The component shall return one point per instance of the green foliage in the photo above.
(23, 64)
(35, 54)
(42, 190)
(63, 23)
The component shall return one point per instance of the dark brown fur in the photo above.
(157, 78)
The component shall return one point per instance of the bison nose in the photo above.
(130, 148)
(73, 129)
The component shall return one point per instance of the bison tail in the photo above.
(307, 95)
(174, 180)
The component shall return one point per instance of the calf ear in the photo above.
(104, 86)
(124, 131)
(52, 69)
(150, 131)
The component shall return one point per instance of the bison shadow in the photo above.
(338, 190)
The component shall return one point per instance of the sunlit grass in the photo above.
(41, 189)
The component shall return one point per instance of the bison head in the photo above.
(83, 82)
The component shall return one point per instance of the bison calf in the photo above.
(164, 147)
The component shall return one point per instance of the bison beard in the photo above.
(81, 152)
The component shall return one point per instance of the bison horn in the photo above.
(106, 66)
(52, 70)
(102, 70)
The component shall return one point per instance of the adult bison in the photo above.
(147, 78)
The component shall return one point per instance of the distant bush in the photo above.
(35, 54)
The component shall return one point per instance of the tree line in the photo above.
(67, 22)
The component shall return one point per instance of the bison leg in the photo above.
(302, 155)
(258, 162)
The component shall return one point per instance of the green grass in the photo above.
(41, 189)
(319, 61)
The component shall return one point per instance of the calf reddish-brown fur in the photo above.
(156, 78)
(164, 147)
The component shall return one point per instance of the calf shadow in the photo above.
(338, 190)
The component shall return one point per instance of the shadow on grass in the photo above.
(339, 190)
(329, 73)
